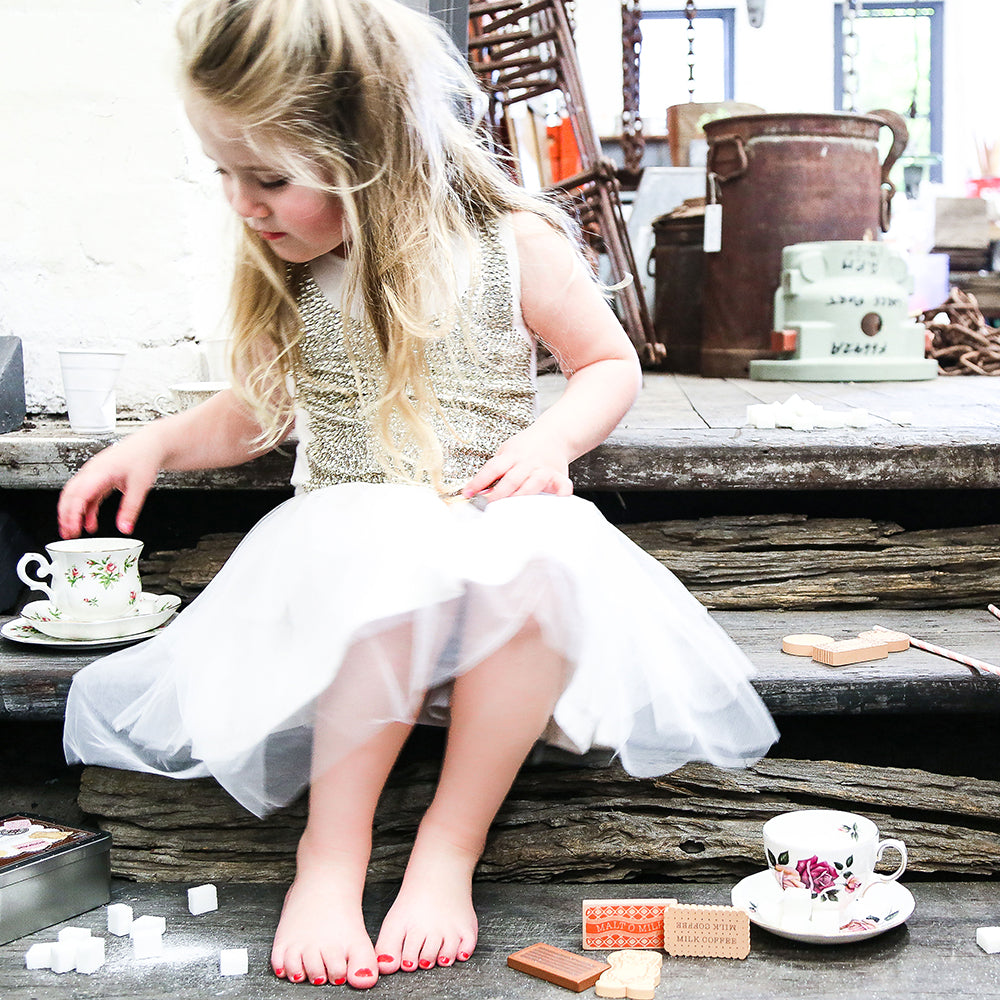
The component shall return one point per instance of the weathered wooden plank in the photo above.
(564, 822)
(663, 443)
(933, 955)
(34, 683)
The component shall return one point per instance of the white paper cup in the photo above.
(89, 379)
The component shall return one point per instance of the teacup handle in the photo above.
(896, 845)
(22, 572)
(164, 405)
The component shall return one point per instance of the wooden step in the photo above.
(931, 956)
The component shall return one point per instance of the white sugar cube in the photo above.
(147, 943)
(74, 933)
(64, 956)
(233, 962)
(202, 898)
(988, 938)
(149, 923)
(796, 906)
(859, 418)
(39, 956)
(119, 919)
(90, 955)
(762, 415)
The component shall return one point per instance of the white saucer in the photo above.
(150, 611)
(885, 905)
(21, 630)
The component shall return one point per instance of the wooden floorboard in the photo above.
(684, 432)
(34, 682)
(933, 955)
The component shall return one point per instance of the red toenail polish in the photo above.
(425, 964)
(443, 961)
(407, 964)
(279, 972)
(297, 977)
(364, 972)
(319, 981)
(463, 955)
(385, 958)
(340, 982)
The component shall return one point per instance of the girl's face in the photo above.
(299, 223)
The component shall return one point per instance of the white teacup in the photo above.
(92, 579)
(831, 853)
(184, 395)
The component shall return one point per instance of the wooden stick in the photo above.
(970, 661)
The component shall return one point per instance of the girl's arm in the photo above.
(216, 433)
(563, 305)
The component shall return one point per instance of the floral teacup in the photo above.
(832, 854)
(91, 579)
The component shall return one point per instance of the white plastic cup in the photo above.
(89, 379)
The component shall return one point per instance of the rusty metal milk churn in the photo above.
(784, 179)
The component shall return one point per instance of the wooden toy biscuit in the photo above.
(573, 972)
(847, 651)
(804, 643)
(623, 923)
(708, 931)
(633, 974)
(896, 641)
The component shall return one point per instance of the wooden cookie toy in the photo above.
(633, 974)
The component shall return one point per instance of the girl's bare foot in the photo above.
(432, 922)
(321, 936)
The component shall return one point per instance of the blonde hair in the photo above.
(367, 100)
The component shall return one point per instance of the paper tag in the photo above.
(713, 229)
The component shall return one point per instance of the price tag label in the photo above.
(713, 229)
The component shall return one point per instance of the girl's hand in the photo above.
(528, 464)
(130, 467)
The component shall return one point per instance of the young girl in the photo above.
(390, 289)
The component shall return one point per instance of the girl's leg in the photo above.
(321, 936)
(498, 711)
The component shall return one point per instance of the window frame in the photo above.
(728, 17)
(936, 111)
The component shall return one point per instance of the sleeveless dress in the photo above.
(358, 601)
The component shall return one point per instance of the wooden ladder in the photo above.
(520, 50)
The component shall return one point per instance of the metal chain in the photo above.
(633, 142)
(850, 86)
(690, 12)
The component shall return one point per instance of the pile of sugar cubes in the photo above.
(76, 950)
(804, 415)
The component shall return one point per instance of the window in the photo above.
(899, 65)
(663, 80)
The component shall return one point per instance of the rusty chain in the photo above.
(633, 141)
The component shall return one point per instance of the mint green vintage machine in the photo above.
(840, 315)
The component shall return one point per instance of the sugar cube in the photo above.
(796, 906)
(90, 955)
(202, 899)
(64, 956)
(119, 919)
(147, 942)
(988, 938)
(74, 933)
(39, 956)
(233, 962)
(148, 923)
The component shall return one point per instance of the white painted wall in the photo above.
(114, 232)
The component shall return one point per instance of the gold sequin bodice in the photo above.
(486, 389)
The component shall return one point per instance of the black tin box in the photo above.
(41, 886)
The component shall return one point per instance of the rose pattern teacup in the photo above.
(831, 853)
(91, 579)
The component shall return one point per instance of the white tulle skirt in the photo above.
(358, 605)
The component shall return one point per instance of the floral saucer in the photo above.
(885, 905)
(20, 630)
(151, 610)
